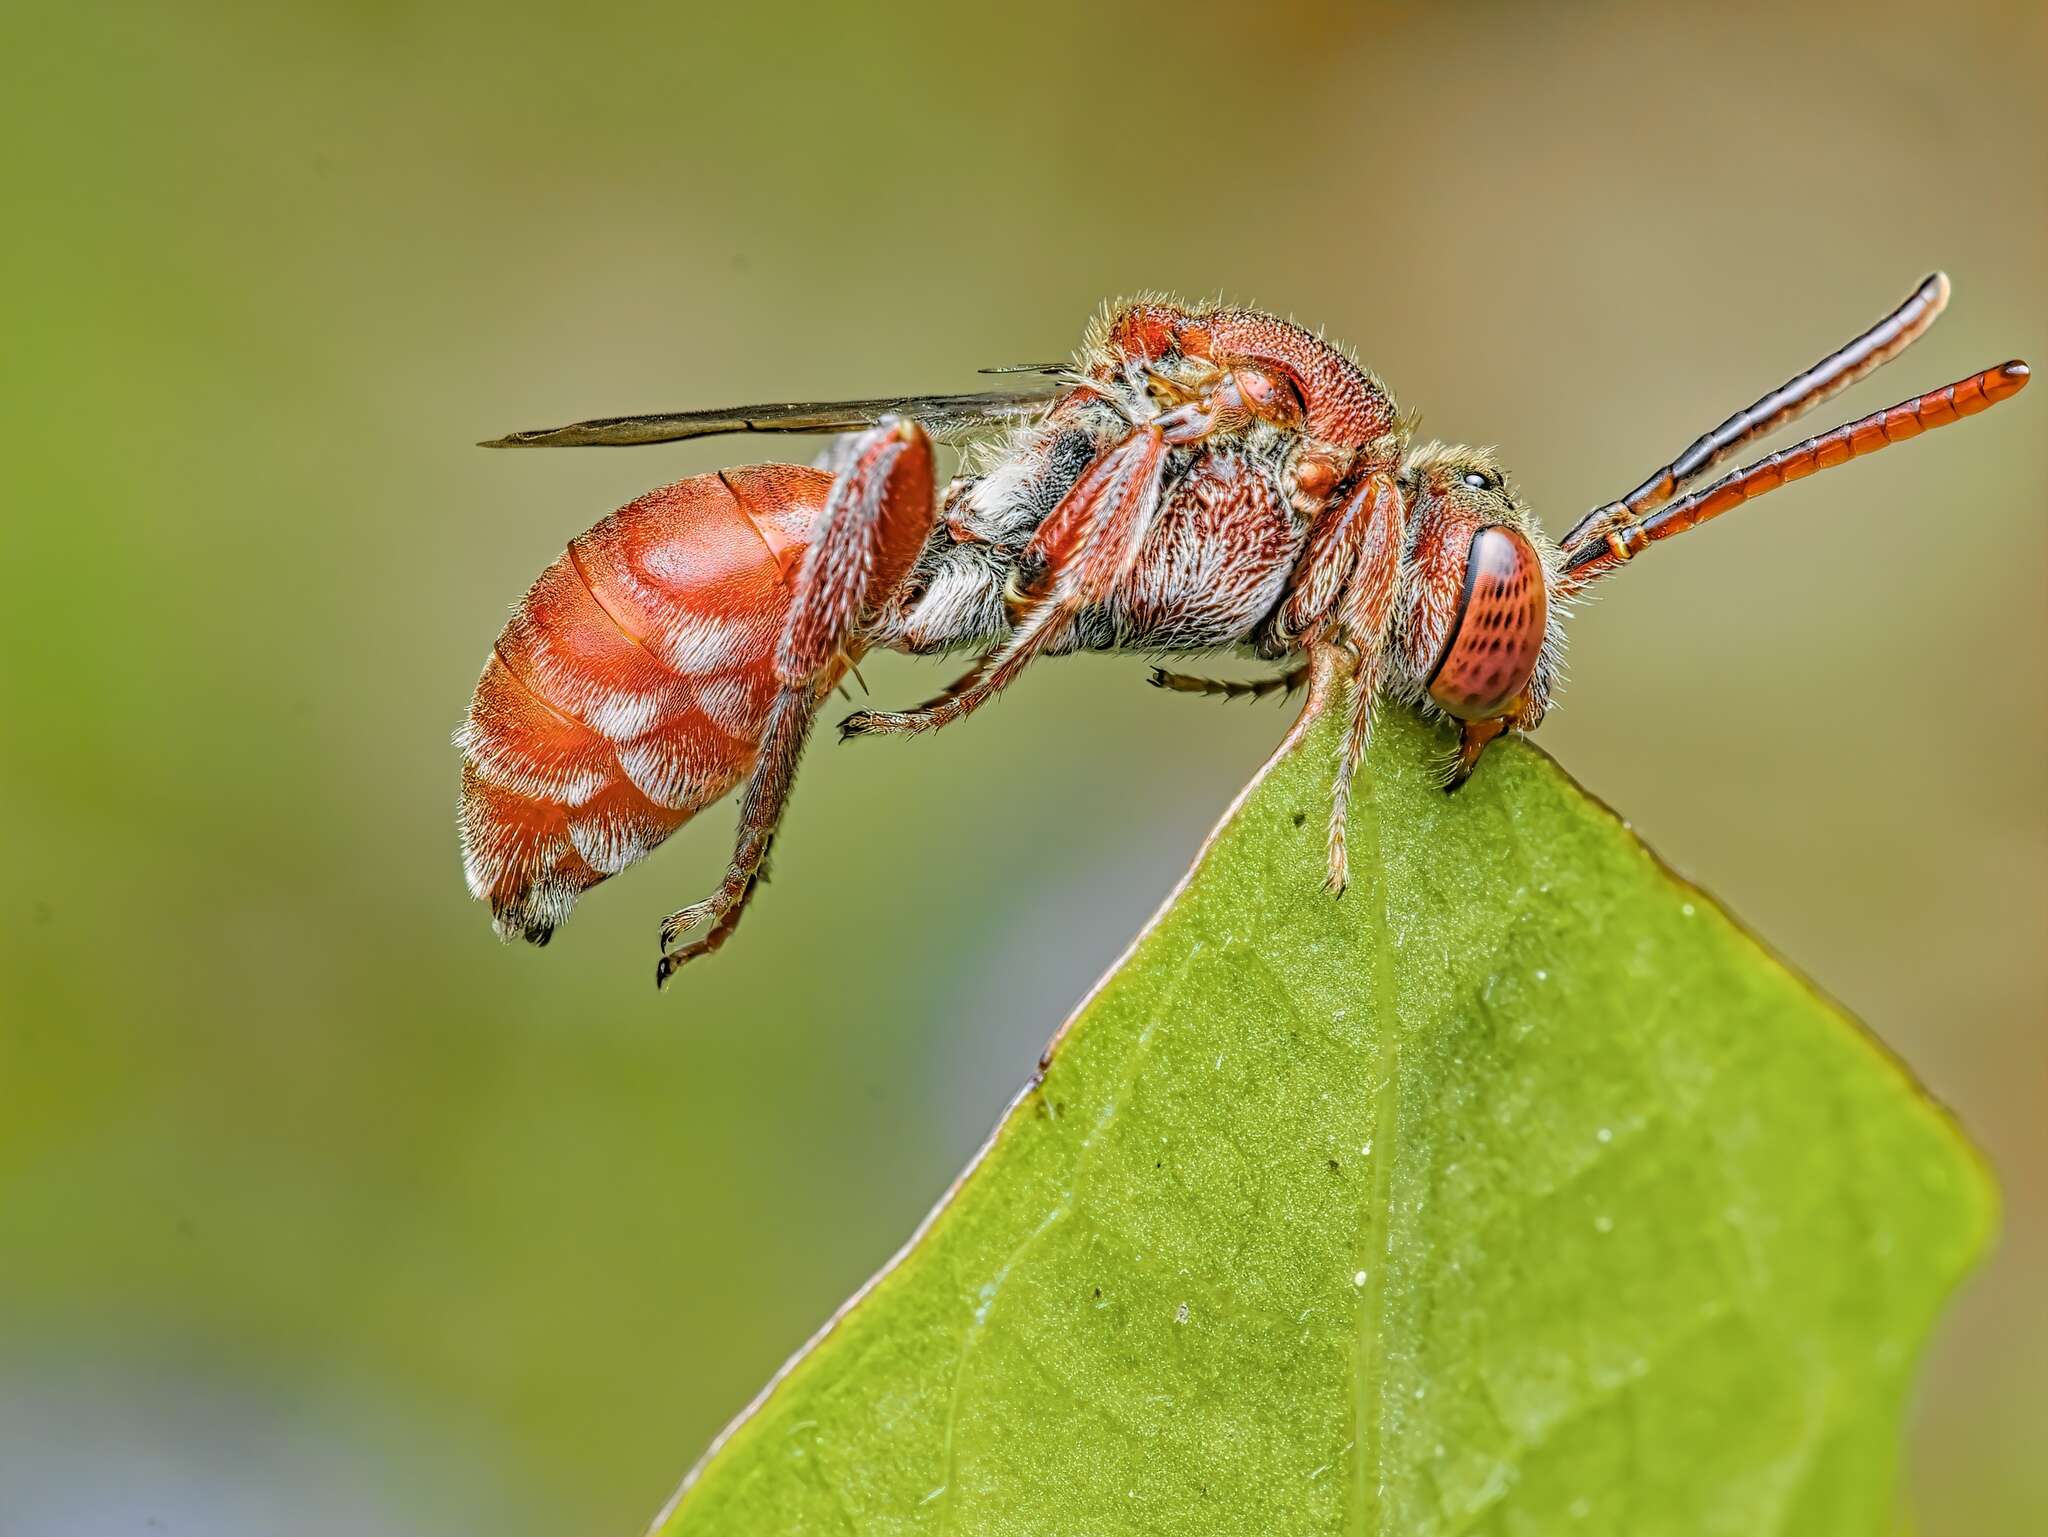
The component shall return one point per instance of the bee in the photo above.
(1201, 478)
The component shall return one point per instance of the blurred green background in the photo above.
(321, 1212)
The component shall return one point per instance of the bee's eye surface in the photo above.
(1497, 634)
(1479, 480)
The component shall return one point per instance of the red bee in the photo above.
(1200, 479)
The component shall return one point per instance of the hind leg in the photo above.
(761, 808)
(872, 527)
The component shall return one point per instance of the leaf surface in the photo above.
(1518, 1191)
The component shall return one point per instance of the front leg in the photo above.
(1343, 600)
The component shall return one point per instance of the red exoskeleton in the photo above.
(1201, 479)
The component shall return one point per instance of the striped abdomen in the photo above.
(629, 688)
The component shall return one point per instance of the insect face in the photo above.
(1483, 629)
(1477, 635)
(1200, 479)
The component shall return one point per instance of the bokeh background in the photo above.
(322, 1213)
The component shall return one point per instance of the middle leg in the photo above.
(1230, 688)
(1087, 543)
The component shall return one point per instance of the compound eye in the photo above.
(1497, 632)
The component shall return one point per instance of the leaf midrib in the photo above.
(1369, 1362)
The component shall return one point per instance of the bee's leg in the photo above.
(1344, 594)
(869, 533)
(672, 961)
(1229, 688)
(1085, 546)
(761, 808)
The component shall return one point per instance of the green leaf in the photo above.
(1518, 1191)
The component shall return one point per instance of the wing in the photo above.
(949, 418)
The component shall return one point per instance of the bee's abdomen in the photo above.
(629, 688)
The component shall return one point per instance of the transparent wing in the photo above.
(949, 418)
